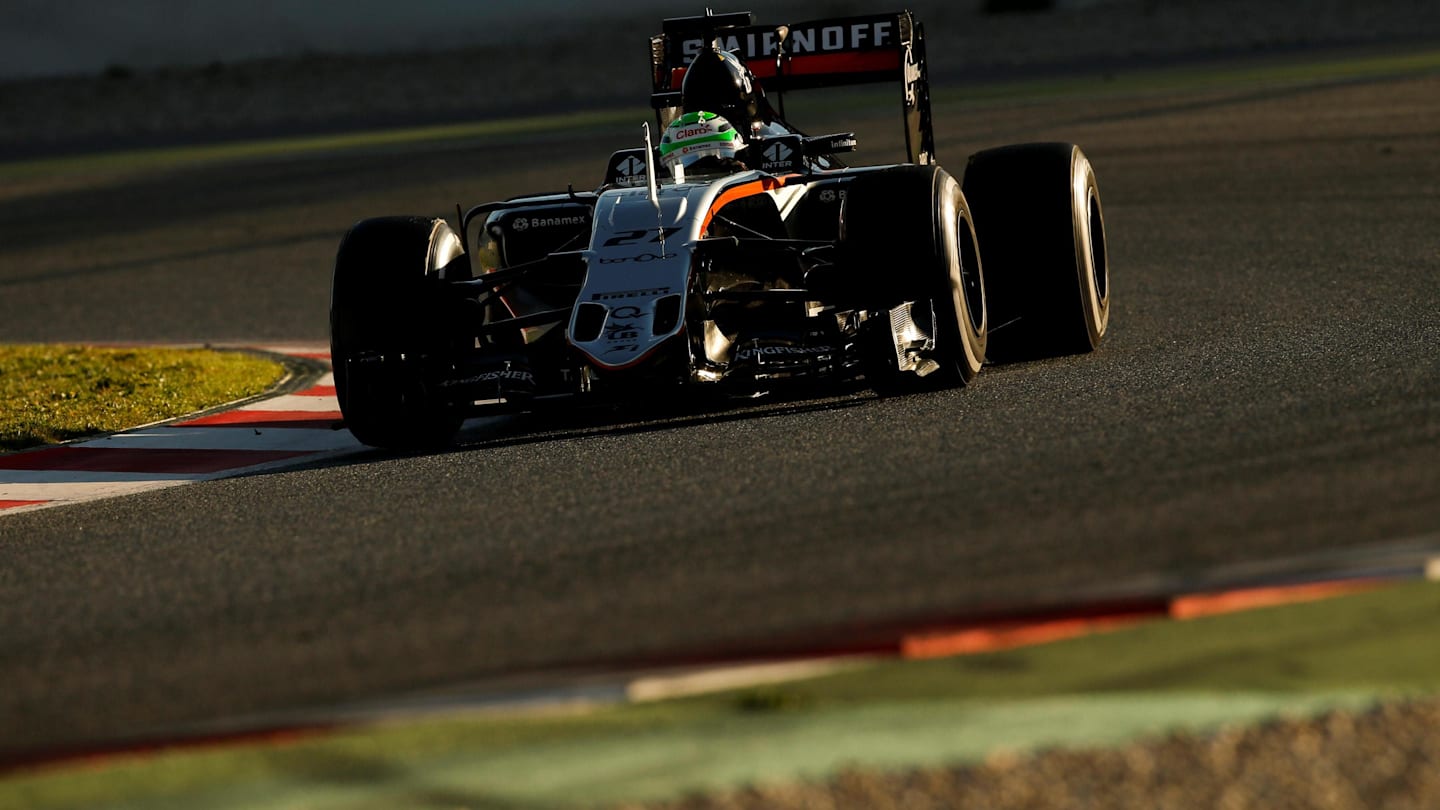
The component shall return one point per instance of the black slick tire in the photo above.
(1042, 238)
(907, 235)
(383, 322)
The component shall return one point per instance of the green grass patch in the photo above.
(53, 393)
(1099, 690)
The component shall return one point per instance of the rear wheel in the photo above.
(385, 325)
(1042, 238)
(907, 232)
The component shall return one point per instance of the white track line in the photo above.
(74, 491)
(291, 402)
(229, 438)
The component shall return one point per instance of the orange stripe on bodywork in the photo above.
(742, 191)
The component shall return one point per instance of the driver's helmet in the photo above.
(720, 82)
(699, 139)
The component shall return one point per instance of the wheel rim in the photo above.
(966, 289)
(970, 283)
(1097, 247)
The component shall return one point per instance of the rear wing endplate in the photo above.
(818, 53)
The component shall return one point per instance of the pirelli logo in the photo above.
(619, 295)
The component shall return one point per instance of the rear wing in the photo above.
(819, 53)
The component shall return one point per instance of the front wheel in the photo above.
(908, 232)
(1042, 237)
(385, 326)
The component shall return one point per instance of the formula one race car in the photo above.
(733, 255)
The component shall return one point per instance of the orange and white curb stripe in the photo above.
(269, 434)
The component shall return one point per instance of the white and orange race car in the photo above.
(728, 253)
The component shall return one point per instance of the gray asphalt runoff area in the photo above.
(1270, 387)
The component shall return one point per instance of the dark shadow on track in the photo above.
(539, 427)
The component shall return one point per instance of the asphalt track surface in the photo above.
(1270, 387)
